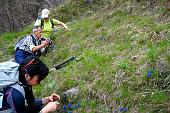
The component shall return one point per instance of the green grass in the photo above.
(114, 49)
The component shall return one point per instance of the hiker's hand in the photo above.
(67, 29)
(51, 98)
(45, 42)
(50, 107)
(54, 97)
(49, 41)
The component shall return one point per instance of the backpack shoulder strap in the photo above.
(42, 23)
(33, 40)
(52, 23)
(19, 87)
(38, 52)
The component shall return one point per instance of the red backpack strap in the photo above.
(30, 62)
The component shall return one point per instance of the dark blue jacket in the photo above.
(14, 99)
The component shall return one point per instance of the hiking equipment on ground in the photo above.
(64, 63)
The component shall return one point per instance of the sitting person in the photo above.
(47, 25)
(31, 72)
(30, 45)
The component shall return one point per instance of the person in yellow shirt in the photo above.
(47, 24)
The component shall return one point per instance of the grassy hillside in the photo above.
(123, 56)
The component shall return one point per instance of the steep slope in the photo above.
(123, 56)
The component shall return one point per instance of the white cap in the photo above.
(45, 13)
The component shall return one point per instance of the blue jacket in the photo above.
(14, 99)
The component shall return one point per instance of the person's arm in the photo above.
(43, 44)
(33, 47)
(50, 107)
(33, 104)
(36, 105)
(51, 98)
(16, 101)
(51, 102)
(57, 22)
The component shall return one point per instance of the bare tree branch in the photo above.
(34, 3)
(16, 14)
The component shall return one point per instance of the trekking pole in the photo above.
(63, 64)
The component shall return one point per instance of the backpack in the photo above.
(42, 23)
(9, 76)
(18, 44)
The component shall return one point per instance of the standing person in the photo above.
(47, 24)
(31, 72)
(30, 45)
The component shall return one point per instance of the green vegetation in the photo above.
(116, 44)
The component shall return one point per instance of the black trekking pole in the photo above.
(59, 66)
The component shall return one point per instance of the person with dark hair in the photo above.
(31, 72)
(30, 45)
